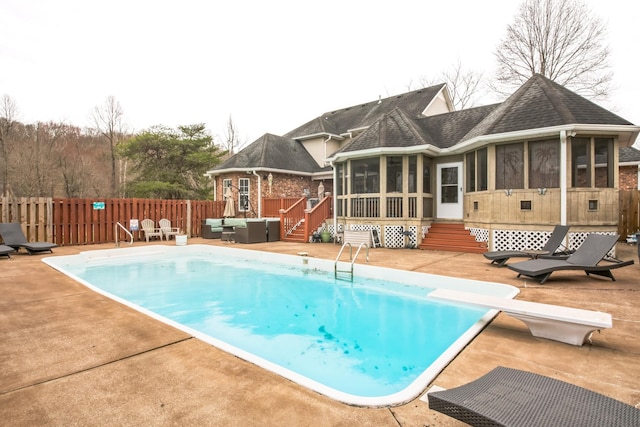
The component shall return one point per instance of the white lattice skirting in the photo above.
(394, 236)
(518, 240)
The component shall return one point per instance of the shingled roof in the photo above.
(364, 115)
(272, 152)
(629, 155)
(541, 103)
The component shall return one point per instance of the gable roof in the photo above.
(272, 152)
(542, 103)
(364, 115)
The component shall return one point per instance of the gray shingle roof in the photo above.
(629, 155)
(541, 103)
(272, 152)
(358, 116)
(398, 129)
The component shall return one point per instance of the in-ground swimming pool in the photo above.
(376, 341)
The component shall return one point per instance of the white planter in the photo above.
(181, 239)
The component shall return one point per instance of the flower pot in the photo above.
(325, 236)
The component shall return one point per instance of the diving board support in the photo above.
(569, 325)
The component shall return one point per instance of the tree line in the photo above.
(55, 159)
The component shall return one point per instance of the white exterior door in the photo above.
(449, 205)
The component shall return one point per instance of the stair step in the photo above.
(451, 237)
(454, 248)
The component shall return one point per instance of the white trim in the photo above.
(483, 140)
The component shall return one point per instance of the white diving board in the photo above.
(554, 322)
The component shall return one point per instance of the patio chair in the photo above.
(550, 248)
(253, 232)
(167, 230)
(510, 397)
(6, 250)
(150, 230)
(13, 236)
(587, 257)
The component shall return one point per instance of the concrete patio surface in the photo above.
(70, 356)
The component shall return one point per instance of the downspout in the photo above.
(259, 194)
(563, 177)
(324, 148)
(334, 195)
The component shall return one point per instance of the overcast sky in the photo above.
(270, 65)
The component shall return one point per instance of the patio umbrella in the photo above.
(229, 208)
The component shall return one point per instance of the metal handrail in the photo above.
(125, 230)
(351, 258)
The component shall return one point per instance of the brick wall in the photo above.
(282, 186)
(628, 178)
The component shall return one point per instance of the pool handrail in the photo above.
(351, 258)
(125, 230)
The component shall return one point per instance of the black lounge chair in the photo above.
(550, 248)
(6, 250)
(587, 257)
(13, 236)
(510, 397)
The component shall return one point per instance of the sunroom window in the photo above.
(394, 174)
(510, 166)
(476, 166)
(365, 176)
(426, 174)
(544, 164)
(592, 163)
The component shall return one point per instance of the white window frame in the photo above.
(244, 191)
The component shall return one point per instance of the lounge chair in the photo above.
(13, 237)
(511, 397)
(6, 251)
(167, 230)
(550, 248)
(150, 230)
(587, 257)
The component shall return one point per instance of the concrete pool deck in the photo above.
(70, 356)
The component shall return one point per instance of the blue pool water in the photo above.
(365, 342)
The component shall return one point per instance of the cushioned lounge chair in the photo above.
(591, 257)
(13, 236)
(6, 251)
(550, 248)
(510, 397)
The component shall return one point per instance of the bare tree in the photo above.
(109, 120)
(559, 39)
(8, 113)
(232, 142)
(464, 85)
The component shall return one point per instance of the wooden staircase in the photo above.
(451, 236)
(297, 235)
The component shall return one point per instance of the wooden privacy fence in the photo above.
(629, 213)
(271, 207)
(34, 213)
(90, 221)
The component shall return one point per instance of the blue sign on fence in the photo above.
(98, 205)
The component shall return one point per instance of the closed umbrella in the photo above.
(229, 208)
